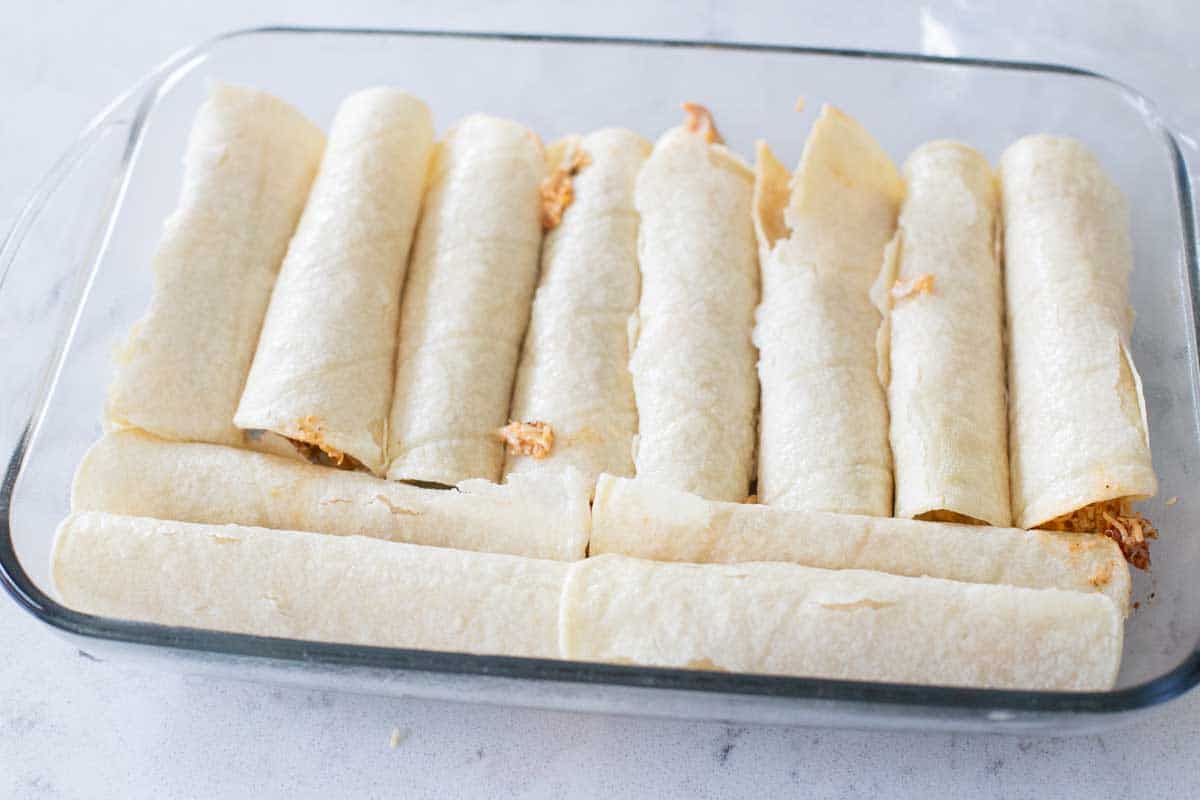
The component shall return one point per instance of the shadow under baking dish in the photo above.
(74, 276)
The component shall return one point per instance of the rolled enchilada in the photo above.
(347, 589)
(779, 619)
(943, 302)
(633, 518)
(693, 361)
(466, 303)
(250, 161)
(1078, 440)
(129, 472)
(574, 370)
(823, 432)
(785, 619)
(324, 370)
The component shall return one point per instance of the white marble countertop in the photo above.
(73, 727)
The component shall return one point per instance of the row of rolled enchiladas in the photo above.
(663, 328)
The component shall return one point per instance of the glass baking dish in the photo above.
(74, 275)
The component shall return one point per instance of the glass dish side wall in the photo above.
(79, 278)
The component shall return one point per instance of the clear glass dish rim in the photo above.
(27, 595)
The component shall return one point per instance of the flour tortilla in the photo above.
(633, 518)
(693, 361)
(466, 303)
(574, 370)
(946, 394)
(823, 432)
(307, 586)
(249, 164)
(1077, 418)
(766, 618)
(324, 370)
(785, 619)
(541, 516)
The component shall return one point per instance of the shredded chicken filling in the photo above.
(558, 190)
(700, 121)
(316, 450)
(534, 439)
(1130, 530)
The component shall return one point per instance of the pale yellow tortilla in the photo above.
(324, 370)
(693, 360)
(823, 430)
(634, 518)
(541, 516)
(942, 296)
(466, 303)
(574, 370)
(307, 586)
(249, 164)
(785, 619)
(1077, 418)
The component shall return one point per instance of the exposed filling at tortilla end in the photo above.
(316, 450)
(1115, 519)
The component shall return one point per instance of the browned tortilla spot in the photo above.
(1102, 575)
(395, 509)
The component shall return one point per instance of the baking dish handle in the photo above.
(49, 253)
(114, 118)
(45, 260)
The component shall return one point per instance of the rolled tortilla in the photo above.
(574, 370)
(466, 303)
(633, 518)
(785, 619)
(324, 370)
(250, 160)
(942, 299)
(693, 362)
(541, 516)
(823, 433)
(307, 586)
(1078, 438)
